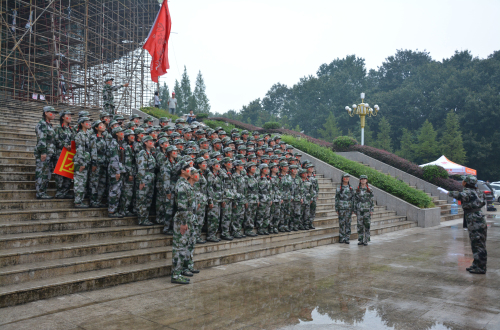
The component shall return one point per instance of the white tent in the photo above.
(451, 167)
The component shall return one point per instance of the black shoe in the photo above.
(287, 230)
(251, 234)
(312, 227)
(360, 243)
(469, 268)
(227, 238)
(282, 230)
(365, 244)
(115, 215)
(294, 229)
(301, 228)
(145, 223)
(195, 271)
(266, 232)
(44, 197)
(477, 271)
(200, 241)
(187, 273)
(238, 236)
(212, 239)
(81, 206)
(347, 242)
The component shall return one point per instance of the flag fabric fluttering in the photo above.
(65, 166)
(157, 43)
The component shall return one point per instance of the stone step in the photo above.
(17, 176)
(46, 214)
(16, 147)
(8, 129)
(449, 217)
(22, 194)
(13, 160)
(5, 134)
(18, 154)
(24, 185)
(16, 168)
(19, 142)
(35, 204)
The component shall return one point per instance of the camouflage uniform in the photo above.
(265, 200)
(63, 137)
(286, 195)
(363, 205)
(108, 98)
(115, 166)
(146, 164)
(253, 200)
(344, 206)
(99, 159)
(215, 195)
(296, 204)
(240, 188)
(276, 207)
(201, 190)
(315, 190)
(229, 195)
(162, 176)
(130, 166)
(81, 158)
(306, 206)
(45, 145)
(185, 203)
(172, 172)
(472, 202)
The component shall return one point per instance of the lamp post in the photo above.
(362, 110)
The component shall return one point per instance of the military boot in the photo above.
(179, 279)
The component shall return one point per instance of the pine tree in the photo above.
(164, 95)
(407, 146)
(452, 145)
(384, 135)
(297, 128)
(427, 149)
(330, 130)
(178, 96)
(369, 140)
(200, 96)
(186, 94)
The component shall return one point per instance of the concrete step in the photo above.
(449, 217)
(22, 194)
(20, 142)
(17, 176)
(35, 204)
(24, 185)
(46, 214)
(13, 160)
(29, 167)
(29, 136)
(18, 154)
(16, 147)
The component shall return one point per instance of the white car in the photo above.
(496, 187)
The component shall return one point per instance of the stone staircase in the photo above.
(443, 204)
(48, 248)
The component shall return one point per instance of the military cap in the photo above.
(49, 109)
(282, 142)
(250, 164)
(260, 139)
(149, 130)
(251, 157)
(162, 140)
(117, 130)
(171, 148)
(346, 175)
(109, 79)
(179, 141)
(292, 167)
(113, 122)
(202, 152)
(470, 179)
(199, 160)
(302, 171)
(139, 130)
(239, 157)
(227, 149)
(156, 127)
(149, 118)
(214, 141)
(194, 170)
(96, 123)
(83, 119)
(190, 151)
(218, 128)
(363, 177)
(130, 124)
(261, 166)
(269, 150)
(214, 161)
(179, 126)
(226, 139)
(64, 113)
(202, 140)
(242, 147)
(226, 160)
(277, 137)
(235, 135)
(186, 130)
(179, 120)
(237, 163)
(164, 120)
(289, 147)
(297, 154)
(309, 165)
(222, 132)
(162, 135)
(175, 135)
(273, 157)
(144, 125)
(244, 132)
(200, 131)
(238, 142)
(264, 157)
(210, 131)
(273, 164)
(214, 154)
(147, 138)
(116, 117)
(80, 114)
(251, 138)
(167, 128)
(234, 130)
(250, 150)
(191, 143)
(278, 152)
(133, 116)
(128, 132)
(283, 164)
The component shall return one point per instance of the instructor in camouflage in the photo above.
(107, 95)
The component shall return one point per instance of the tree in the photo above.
(369, 140)
(384, 135)
(185, 100)
(407, 147)
(164, 95)
(452, 145)
(178, 96)
(200, 96)
(427, 149)
(251, 113)
(330, 130)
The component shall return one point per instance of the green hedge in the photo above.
(216, 123)
(271, 125)
(382, 181)
(158, 113)
(432, 172)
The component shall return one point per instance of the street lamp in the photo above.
(362, 110)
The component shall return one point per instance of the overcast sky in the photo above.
(243, 47)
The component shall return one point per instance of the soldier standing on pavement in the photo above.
(344, 206)
(162, 181)
(363, 206)
(81, 161)
(44, 152)
(115, 171)
(64, 135)
(201, 190)
(172, 171)
(215, 195)
(107, 95)
(472, 202)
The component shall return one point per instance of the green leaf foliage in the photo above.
(432, 172)
(342, 143)
(428, 148)
(158, 113)
(216, 123)
(271, 125)
(382, 181)
(384, 135)
(452, 145)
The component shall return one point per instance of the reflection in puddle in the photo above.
(371, 320)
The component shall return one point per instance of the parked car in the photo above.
(496, 187)
(488, 192)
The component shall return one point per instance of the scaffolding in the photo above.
(61, 51)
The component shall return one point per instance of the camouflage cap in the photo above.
(244, 132)
(134, 116)
(215, 154)
(156, 127)
(162, 140)
(363, 177)
(222, 132)
(149, 130)
(214, 141)
(269, 150)
(80, 114)
(148, 119)
(297, 154)
(470, 179)
(109, 79)
(235, 135)
(130, 124)
(309, 165)
(171, 148)
(255, 133)
(250, 164)
(164, 120)
(139, 130)
(264, 157)
(96, 123)
(179, 126)
(199, 132)
(225, 139)
(144, 125)
(190, 151)
(128, 132)
(117, 117)
(302, 171)
(288, 147)
(175, 135)
(251, 139)
(191, 144)
(261, 166)
(282, 142)
(147, 138)
(242, 147)
(277, 137)
(179, 141)
(278, 152)
(203, 140)
(194, 170)
(218, 128)
(283, 164)
(187, 158)
(237, 163)
(83, 119)
(251, 157)
(346, 175)
(293, 167)
(239, 157)
(226, 160)
(167, 128)
(162, 135)
(273, 164)
(64, 113)
(213, 162)
(234, 130)
(186, 130)
(227, 149)
(199, 160)
(113, 122)
(250, 150)
(117, 130)
(273, 157)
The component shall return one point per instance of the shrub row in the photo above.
(216, 123)
(158, 113)
(382, 181)
(406, 166)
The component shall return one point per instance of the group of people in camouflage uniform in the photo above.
(190, 176)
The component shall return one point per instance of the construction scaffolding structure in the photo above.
(61, 51)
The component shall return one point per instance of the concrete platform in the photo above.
(411, 279)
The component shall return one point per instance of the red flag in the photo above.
(157, 42)
(65, 166)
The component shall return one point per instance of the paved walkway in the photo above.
(411, 279)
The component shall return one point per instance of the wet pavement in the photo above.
(411, 279)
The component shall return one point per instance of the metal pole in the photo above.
(362, 136)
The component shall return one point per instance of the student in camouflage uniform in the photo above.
(265, 201)
(240, 200)
(64, 135)
(44, 152)
(344, 206)
(363, 206)
(215, 195)
(99, 164)
(172, 171)
(194, 177)
(82, 161)
(107, 95)
(252, 199)
(201, 190)
(183, 225)
(161, 176)
(286, 195)
(297, 199)
(115, 170)
(472, 202)
(315, 185)
(129, 175)
(277, 200)
(308, 196)
(146, 164)
(227, 201)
